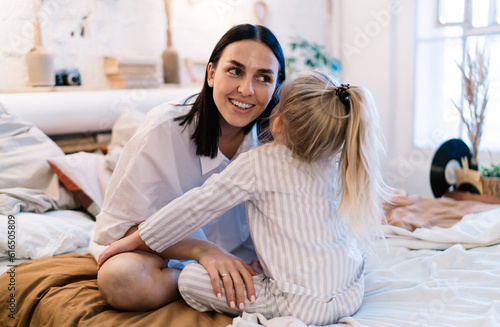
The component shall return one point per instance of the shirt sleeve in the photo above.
(234, 185)
(144, 180)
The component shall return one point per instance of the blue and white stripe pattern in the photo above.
(313, 270)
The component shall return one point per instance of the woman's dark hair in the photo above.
(204, 112)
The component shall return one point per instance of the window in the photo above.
(442, 42)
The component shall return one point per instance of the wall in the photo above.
(137, 28)
(377, 48)
(79, 34)
(374, 39)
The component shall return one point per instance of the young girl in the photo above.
(311, 196)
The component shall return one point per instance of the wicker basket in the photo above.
(491, 187)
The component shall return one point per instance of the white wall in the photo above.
(374, 39)
(109, 28)
(377, 48)
(137, 28)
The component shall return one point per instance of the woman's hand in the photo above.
(126, 244)
(235, 274)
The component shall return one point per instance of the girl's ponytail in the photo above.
(362, 189)
(322, 121)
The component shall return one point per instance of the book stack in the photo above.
(133, 72)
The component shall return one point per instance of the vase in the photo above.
(170, 65)
(40, 63)
(170, 56)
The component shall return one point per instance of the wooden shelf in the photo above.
(49, 89)
(467, 196)
(87, 143)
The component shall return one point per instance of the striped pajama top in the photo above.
(291, 213)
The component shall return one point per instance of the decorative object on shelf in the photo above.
(136, 71)
(450, 172)
(468, 180)
(486, 183)
(260, 11)
(40, 62)
(314, 55)
(475, 96)
(447, 158)
(170, 56)
(68, 77)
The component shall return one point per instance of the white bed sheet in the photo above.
(43, 235)
(408, 283)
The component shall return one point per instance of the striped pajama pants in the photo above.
(196, 289)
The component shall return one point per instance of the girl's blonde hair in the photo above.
(323, 120)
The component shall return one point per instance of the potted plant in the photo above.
(493, 171)
(491, 180)
(313, 56)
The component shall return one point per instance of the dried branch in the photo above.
(475, 94)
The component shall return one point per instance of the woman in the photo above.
(178, 148)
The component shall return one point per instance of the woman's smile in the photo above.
(242, 105)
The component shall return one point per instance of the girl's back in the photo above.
(301, 243)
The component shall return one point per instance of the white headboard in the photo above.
(73, 112)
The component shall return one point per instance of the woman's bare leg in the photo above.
(141, 281)
(138, 281)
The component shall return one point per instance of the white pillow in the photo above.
(126, 125)
(85, 175)
(26, 181)
(45, 235)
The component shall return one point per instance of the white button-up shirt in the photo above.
(157, 165)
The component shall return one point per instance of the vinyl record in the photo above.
(447, 158)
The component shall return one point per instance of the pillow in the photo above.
(126, 125)
(45, 235)
(85, 175)
(26, 181)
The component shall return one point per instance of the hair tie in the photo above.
(342, 92)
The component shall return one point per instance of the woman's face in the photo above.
(243, 81)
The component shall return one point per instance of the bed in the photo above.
(439, 266)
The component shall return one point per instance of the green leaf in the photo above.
(314, 55)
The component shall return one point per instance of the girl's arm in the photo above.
(199, 206)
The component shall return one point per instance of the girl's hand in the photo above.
(236, 275)
(126, 244)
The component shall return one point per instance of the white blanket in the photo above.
(429, 277)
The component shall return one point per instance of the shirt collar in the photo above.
(249, 141)
(209, 164)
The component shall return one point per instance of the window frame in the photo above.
(467, 31)
(493, 24)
